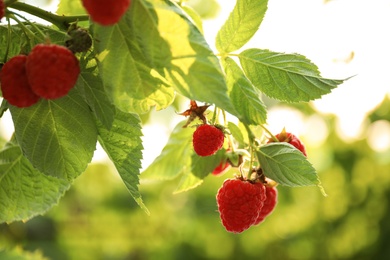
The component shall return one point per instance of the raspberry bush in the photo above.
(97, 74)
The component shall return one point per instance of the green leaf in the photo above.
(286, 165)
(237, 134)
(175, 157)
(193, 69)
(130, 56)
(57, 136)
(188, 181)
(70, 7)
(92, 86)
(123, 145)
(3, 107)
(245, 98)
(287, 77)
(242, 23)
(24, 191)
(161, 51)
(19, 41)
(201, 167)
(197, 20)
(16, 36)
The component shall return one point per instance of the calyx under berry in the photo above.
(79, 39)
(194, 112)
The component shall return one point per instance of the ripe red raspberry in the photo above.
(14, 84)
(239, 204)
(291, 139)
(52, 70)
(269, 203)
(207, 140)
(106, 13)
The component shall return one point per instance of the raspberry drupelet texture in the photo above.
(269, 203)
(52, 70)
(14, 83)
(106, 13)
(239, 203)
(207, 140)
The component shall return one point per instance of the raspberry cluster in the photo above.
(49, 72)
(243, 203)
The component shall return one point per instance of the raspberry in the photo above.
(269, 203)
(52, 70)
(2, 9)
(207, 140)
(104, 12)
(291, 139)
(221, 168)
(239, 203)
(14, 84)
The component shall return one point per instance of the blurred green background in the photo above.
(97, 218)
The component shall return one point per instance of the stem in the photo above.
(30, 23)
(62, 22)
(27, 31)
(8, 40)
(214, 119)
(269, 132)
(252, 140)
(251, 136)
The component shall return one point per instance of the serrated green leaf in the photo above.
(123, 144)
(193, 69)
(187, 182)
(24, 191)
(194, 16)
(286, 165)
(57, 136)
(287, 77)
(130, 54)
(242, 23)
(92, 86)
(244, 96)
(161, 51)
(175, 156)
(16, 36)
